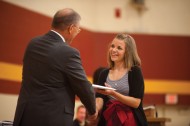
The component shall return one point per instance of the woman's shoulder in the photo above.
(135, 72)
(135, 69)
(105, 71)
(103, 75)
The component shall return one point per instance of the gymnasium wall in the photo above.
(162, 37)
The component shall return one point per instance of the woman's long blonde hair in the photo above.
(131, 57)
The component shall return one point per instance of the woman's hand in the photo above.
(107, 85)
(105, 92)
(127, 100)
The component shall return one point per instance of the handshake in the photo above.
(105, 90)
(92, 118)
(95, 110)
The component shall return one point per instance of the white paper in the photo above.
(102, 87)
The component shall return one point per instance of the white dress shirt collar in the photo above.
(59, 35)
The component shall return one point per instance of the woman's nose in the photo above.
(114, 49)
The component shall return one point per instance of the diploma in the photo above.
(102, 87)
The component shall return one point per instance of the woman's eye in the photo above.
(112, 46)
(119, 48)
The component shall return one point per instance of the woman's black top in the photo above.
(136, 90)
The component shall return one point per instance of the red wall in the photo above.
(163, 57)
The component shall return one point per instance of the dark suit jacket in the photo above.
(52, 76)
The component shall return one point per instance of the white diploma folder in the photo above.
(102, 87)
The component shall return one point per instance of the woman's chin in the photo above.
(114, 60)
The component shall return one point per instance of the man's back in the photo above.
(52, 75)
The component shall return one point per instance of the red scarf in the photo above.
(118, 114)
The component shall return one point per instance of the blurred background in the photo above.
(161, 29)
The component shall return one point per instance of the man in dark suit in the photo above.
(52, 76)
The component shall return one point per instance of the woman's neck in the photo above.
(118, 71)
(119, 66)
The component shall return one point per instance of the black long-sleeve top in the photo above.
(136, 90)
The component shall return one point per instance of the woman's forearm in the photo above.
(130, 101)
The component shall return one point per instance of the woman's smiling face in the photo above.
(117, 50)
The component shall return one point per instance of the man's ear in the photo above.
(70, 29)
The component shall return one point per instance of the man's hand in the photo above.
(93, 117)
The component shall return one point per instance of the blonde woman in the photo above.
(123, 106)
